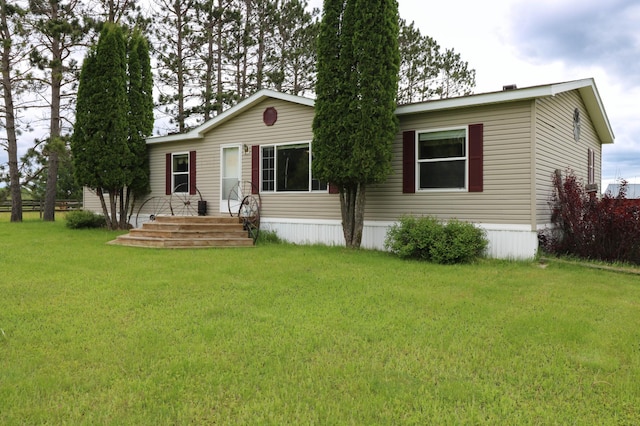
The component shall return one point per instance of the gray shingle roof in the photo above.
(633, 190)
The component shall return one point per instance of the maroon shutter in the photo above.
(409, 162)
(255, 169)
(167, 176)
(192, 172)
(333, 189)
(476, 137)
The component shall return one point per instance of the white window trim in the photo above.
(173, 173)
(465, 158)
(275, 168)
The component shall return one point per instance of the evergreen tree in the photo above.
(177, 55)
(355, 125)
(426, 72)
(216, 20)
(140, 94)
(13, 43)
(58, 33)
(102, 157)
(291, 57)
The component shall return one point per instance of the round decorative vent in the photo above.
(270, 116)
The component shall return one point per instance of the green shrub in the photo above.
(79, 219)
(267, 236)
(427, 238)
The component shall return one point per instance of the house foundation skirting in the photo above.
(505, 241)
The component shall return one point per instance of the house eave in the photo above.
(586, 88)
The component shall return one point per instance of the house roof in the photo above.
(633, 190)
(586, 87)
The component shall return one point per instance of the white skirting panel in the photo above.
(505, 241)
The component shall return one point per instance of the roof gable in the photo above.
(242, 106)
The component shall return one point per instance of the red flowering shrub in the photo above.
(605, 228)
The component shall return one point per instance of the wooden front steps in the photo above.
(187, 232)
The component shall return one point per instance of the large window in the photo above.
(442, 159)
(287, 168)
(180, 172)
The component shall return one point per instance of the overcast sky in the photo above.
(529, 43)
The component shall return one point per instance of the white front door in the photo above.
(231, 171)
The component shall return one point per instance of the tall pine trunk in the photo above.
(54, 133)
(10, 119)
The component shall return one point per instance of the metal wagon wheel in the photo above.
(151, 208)
(183, 203)
(249, 214)
(237, 194)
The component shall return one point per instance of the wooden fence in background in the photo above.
(38, 205)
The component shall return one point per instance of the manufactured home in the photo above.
(485, 158)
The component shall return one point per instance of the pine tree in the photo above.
(355, 125)
(426, 72)
(176, 52)
(13, 41)
(58, 33)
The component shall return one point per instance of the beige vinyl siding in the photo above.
(91, 202)
(556, 147)
(507, 151)
(293, 125)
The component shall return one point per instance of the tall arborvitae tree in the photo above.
(355, 124)
(13, 42)
(102, 157)
(58, 33)
(140, 94)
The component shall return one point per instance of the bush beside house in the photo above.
(427, 238)
(605, 228)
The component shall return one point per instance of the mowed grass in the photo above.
(282, 334)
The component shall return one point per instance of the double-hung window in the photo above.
(287, 168)
(180, 172)
(442, 159)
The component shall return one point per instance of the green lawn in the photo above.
(280, 334)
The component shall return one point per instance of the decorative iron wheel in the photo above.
(151, 208)
(249, 214)
(237, 194)
(183, 203)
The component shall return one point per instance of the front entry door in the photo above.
(231, 170)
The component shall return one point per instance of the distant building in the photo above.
(633, 190)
